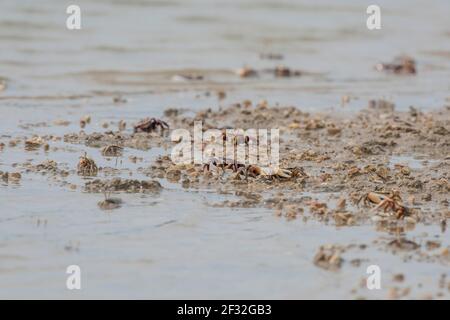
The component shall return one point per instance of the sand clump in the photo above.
(125, 185)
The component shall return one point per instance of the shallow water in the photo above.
(138, 46)
(175, 245)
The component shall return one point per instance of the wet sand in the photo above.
(214, 235)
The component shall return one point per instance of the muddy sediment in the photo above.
(345, 158)
(377, 167)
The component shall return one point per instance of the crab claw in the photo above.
(284, 173)
(269, 172)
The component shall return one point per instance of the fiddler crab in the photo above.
(222, 164)
(400, 65)
(267, 172)
(390, 201)
(86, 166)
(246, 72)
(253, 171)
(282, 71)
(150, 125)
